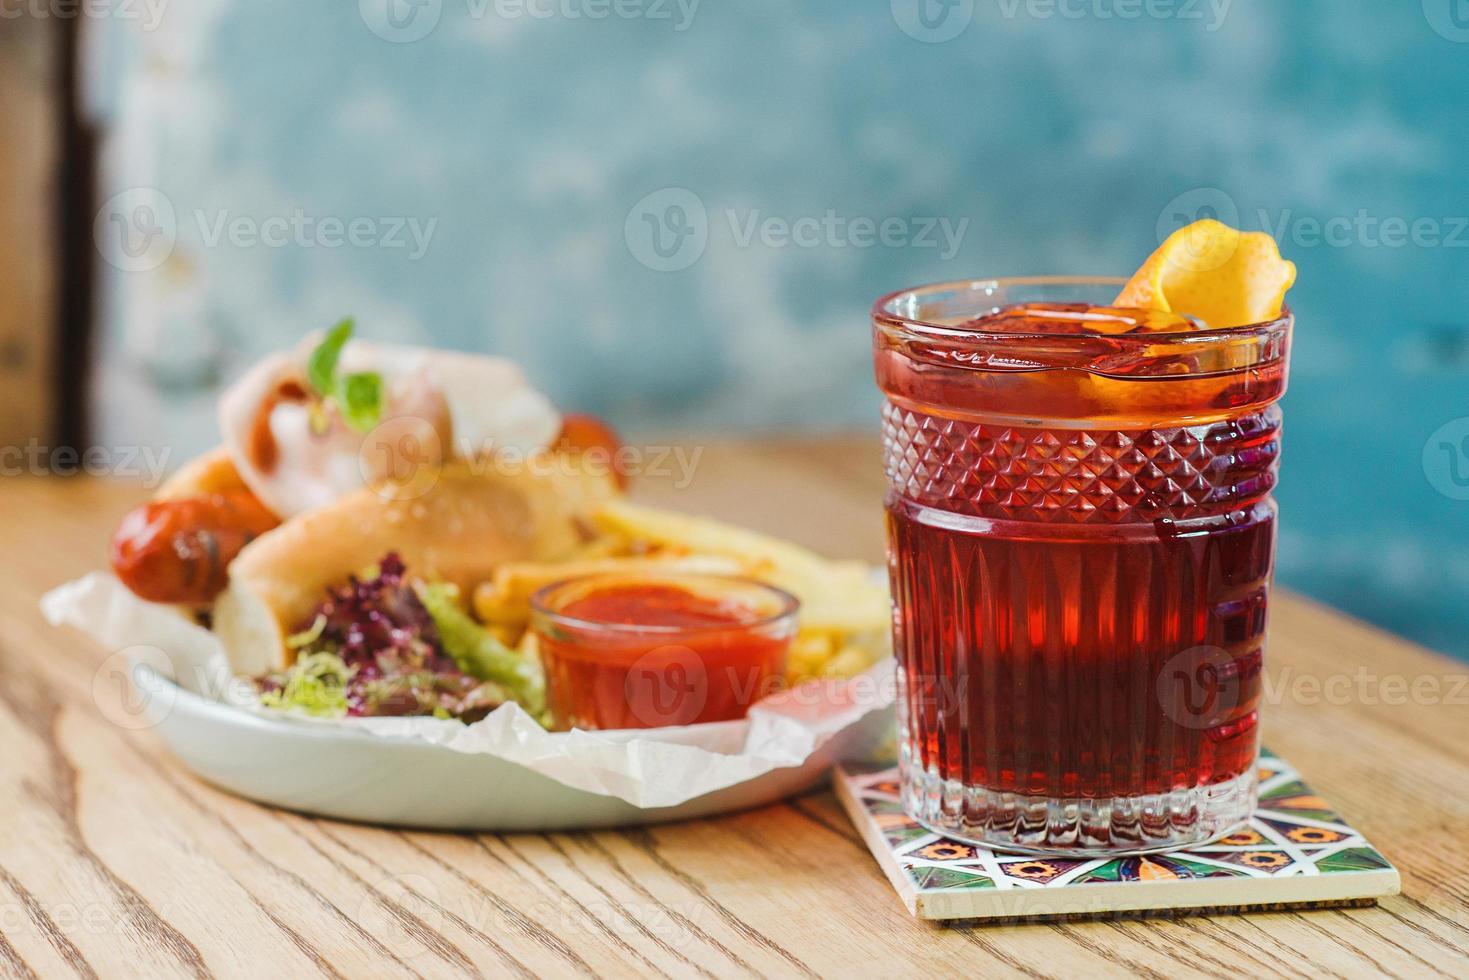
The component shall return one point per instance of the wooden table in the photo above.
(115, 861)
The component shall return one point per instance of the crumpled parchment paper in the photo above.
(647, 768)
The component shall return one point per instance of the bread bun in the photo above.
(475, 516)
(214, 472)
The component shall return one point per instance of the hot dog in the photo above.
(179, 551)
(581, 434)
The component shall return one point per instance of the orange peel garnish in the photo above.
(1208, 270)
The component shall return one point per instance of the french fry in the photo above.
(700, 535)
(845, 614)
(492, 609)
(809, 654)
(520, 580)
(603, 546)
(845, 603)
(835, 596)
(505, 598)
(849, 662)
(507, 634)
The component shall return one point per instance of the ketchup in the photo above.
(655, 605)
(262, 449)
(645, 654)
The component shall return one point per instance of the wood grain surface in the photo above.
(115, 861)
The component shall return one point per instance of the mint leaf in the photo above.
(321, 367)
(360, 398)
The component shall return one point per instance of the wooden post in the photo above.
(30, 91)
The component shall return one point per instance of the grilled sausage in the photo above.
(179, 550)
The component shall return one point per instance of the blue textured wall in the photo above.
(1045, 137)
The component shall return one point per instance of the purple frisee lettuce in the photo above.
(374, 647)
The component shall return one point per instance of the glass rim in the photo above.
(789, 605)
(885, 317)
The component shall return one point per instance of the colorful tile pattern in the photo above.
(1295, 851)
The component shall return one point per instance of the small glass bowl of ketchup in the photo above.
(649, 650)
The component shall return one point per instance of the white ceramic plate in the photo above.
(333, 771)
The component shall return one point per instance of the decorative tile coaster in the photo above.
(1295, 852)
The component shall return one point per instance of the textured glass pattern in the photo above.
(1079, 476)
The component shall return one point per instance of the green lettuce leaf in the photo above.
(316, 684)
(479, 654)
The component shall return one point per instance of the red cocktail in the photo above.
(1080, 547)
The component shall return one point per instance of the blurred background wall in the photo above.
(676, 213)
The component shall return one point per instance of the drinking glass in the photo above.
(1080, 545)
